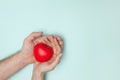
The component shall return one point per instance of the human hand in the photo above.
(28, 45)
(31, 41)
(41, 68)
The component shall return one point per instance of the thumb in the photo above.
(33, 36)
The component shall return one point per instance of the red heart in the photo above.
(42, 52)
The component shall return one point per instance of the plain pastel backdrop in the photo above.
(89, 28)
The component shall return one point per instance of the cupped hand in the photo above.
(51, 64)
(31, 41)
(28, 45)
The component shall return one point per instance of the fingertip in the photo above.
(61, 43)
(58, 37)
(40, 33)
(36, 34)
(60, 55)
(51, 36)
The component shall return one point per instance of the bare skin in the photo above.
(11, 65)
(41, 68)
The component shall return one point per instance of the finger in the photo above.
(59, 38)
(52, 59)
(60, 41)
(35, 42)
(43, 42)
(33, 36)
(52, 43)
(47, 42)
(57, 46)
(55, 62)
(40, 40)
(51, 40)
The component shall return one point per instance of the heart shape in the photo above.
(43, 52)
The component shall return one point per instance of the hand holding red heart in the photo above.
(49, 65)
(33, 39)
(47, 50)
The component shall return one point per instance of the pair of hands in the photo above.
(36, 37)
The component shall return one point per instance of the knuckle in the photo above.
(52, 68)
(59, 51)
(33, 33)
(25, 40)
(61, 42)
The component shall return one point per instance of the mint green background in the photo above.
(90, 28)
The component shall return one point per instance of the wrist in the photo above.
(24, 57)
(38, 76)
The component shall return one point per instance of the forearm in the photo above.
(11, 65)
